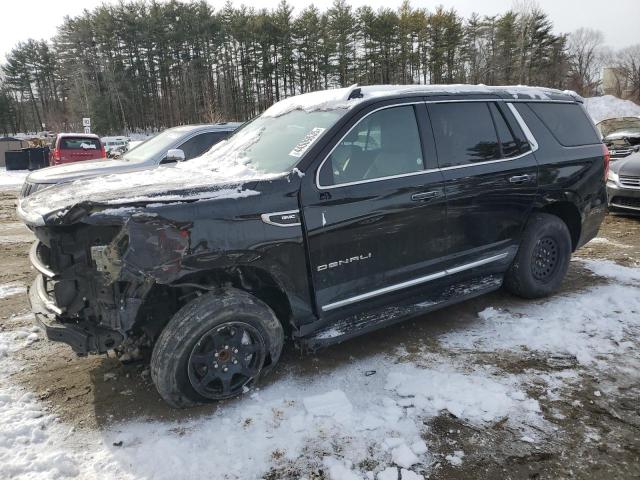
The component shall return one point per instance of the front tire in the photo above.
(542, 260)
(215, 348)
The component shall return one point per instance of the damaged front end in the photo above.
(94, 275)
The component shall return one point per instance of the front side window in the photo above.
(464, 133)
(383, 144)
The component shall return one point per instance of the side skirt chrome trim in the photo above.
(411, 283)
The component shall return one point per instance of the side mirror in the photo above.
(175, 155)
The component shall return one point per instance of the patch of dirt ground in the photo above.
(596, 437)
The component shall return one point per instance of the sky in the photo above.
(619, 20)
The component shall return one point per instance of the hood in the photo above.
(615, 126)
(628, 166)
(621, 134)
(78, 170)
(220, 173)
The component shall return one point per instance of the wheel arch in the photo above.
(164, 300)
(569, 214)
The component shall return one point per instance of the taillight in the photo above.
(103, 152)
(607, 159)
(56, 154)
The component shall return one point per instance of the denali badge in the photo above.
(346, 261)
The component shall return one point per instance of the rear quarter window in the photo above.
(567, 122)
(79, 143)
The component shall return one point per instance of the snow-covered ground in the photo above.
(608, 106)
(363, 420)
(12, 179)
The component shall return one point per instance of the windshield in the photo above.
(607, 127)
(156, 145)
(274, 144)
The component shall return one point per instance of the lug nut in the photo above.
(216, 354)
(215, 365)
(225, 369)
(226, 347)
(235, 361)
(235, 350)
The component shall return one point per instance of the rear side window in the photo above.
(464, 133)
(511, 137)
(79, 143)
(567, 122)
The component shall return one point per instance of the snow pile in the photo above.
(476, 398)
(590, 331)
(12, 179)
(10, 289)
(608, 106)
(32, 442)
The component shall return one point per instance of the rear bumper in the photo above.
(623, 199)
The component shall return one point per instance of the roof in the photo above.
(350, 96)
(86, 135)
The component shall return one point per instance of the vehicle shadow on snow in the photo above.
(125, 392)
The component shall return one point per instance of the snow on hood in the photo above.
(220, 173)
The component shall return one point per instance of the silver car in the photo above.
(173, 145)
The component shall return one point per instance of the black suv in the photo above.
(330, 215)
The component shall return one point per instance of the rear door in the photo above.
(490, 177)
(374, 211)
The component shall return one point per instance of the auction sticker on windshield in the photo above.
(306, 142)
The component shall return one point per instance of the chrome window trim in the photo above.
(525, 129)
(329, 187)
(266, 218)
(411, 283)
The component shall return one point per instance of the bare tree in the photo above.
(585, 56)
(629, 65)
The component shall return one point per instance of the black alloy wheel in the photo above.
(226, 359)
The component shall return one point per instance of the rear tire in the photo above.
(542, 260)
(215, 348)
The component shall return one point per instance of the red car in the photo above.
(76, 147)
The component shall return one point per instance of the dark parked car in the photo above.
(332, 214)
(172, 145)
(76, 147)
(623, 184)
(621, 135)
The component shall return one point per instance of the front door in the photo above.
(374, 211)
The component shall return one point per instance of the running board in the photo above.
(362, 323)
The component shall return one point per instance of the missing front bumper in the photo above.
(81, 338)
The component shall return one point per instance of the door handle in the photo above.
(416, 197)
(521, 178)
